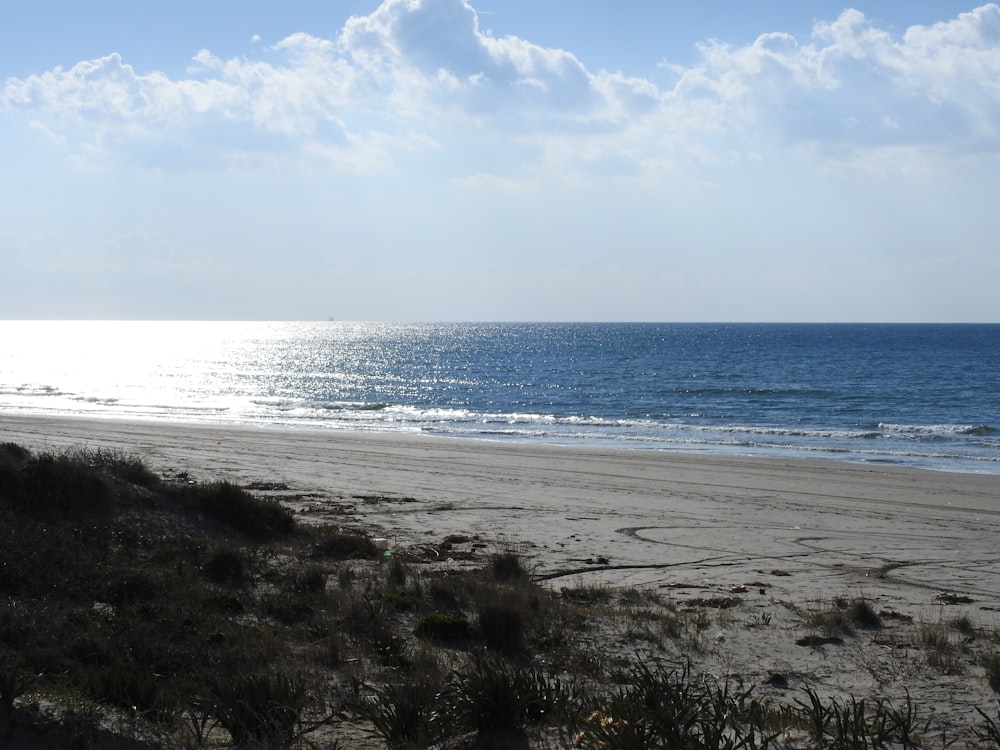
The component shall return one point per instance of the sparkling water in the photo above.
(923, 395)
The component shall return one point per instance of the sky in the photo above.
(460, 160)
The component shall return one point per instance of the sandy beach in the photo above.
(656, 517)
(788, 535)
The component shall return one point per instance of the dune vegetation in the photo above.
(139, 611)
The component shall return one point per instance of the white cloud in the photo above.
(421, 72)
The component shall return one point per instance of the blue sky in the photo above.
(500, 160)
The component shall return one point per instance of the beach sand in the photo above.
(657, 517)
(789, 535)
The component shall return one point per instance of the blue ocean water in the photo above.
(922, 395)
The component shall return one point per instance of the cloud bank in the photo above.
(423, 76)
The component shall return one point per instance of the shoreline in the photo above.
(781, 456)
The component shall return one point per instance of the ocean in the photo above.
(917, 395)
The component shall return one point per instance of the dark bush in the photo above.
(494, 694)
(309, 580)
(238, 509)
(12, 460)
(130, 686)
(130, 586)
(402, 715)
(61, 485)
(288, 609)
(863, 614)
(260, 710)
(128, 467)
(444, 627)
(38, 559)
(227, 565)
(508, 567)
(502, 627)
(344, 545)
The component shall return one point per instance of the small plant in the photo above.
(260, 709)
(844, 616)
(903, 722)
(964, 625)
(862, 614)
(494, 694)
(988, 730)
(396, 573)
(817, 716)
(657, 707)
(508, 567)
(402, 715)
(938, 642)
(853, 725)
(198, 723)
(850, 727)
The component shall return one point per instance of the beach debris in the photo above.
(738, 588)
(717, 602)
(815, 641)
(378, 499)
(598, 560)
(948, 597)
(888, 614)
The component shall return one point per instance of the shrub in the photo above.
(344, 545)
(238, 509)
(14, 682)
(309, 580)
(444, 628)
(130, 686)
(287, 608)
(128, 467)
(12, 460)
(130, 586)
(61, 484)
(502, 627)
(507, 566)
(227, 564)
(862, 614)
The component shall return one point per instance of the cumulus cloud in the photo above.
(421, 71)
